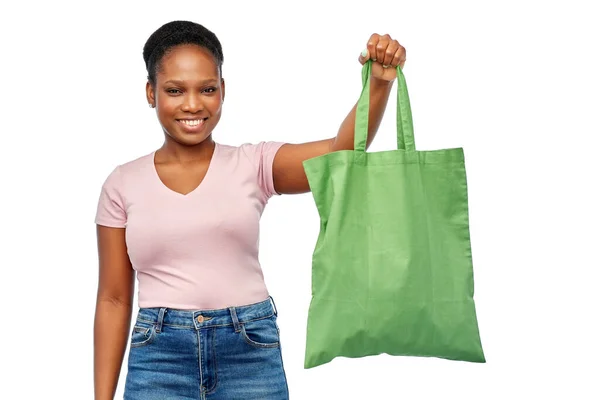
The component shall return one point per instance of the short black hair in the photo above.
(177, 33)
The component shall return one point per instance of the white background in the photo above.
(515, 83)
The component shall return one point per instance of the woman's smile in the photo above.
(192, 125)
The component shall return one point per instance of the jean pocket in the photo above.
(261, 333)
(142, 334)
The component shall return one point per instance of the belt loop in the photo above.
(274, 307)
(236, 323)
(161, 317)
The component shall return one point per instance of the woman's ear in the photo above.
(150, 95)
(223, 88)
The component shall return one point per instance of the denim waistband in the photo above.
(197, 319)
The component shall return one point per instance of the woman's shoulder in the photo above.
(136, 163)
(251, 151)
(124, 169)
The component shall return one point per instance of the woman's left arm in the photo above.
(288, 171)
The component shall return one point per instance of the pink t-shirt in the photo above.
(200, 250)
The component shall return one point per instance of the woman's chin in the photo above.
(190, 140)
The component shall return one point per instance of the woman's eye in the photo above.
(177, 91)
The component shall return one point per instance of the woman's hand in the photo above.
(386, 54)
(288, 169)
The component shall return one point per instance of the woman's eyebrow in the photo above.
(180, 82)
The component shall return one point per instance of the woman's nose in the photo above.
(192, 104)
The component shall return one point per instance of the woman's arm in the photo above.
(288, 171)
(114, 305)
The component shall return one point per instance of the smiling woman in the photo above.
(188, 94)
(185, 220)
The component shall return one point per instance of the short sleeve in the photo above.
(262, 156)
(111, 207)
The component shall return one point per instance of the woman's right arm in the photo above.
(114, 305)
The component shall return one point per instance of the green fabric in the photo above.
(392, 269)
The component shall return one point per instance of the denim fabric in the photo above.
(225, 354)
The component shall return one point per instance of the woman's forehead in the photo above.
(188, 62)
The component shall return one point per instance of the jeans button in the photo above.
(200, 318)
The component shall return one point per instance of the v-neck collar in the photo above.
(198, 188)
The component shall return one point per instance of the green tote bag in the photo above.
(392, 269)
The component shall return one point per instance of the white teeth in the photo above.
(194, 122)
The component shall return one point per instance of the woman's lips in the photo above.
(192, 125)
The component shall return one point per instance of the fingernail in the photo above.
(364, 53)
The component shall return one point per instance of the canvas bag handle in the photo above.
(404, 124)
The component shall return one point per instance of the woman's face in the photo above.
(188, 95)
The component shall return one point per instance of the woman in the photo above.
(186, 218)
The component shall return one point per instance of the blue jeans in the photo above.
(227, 354)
